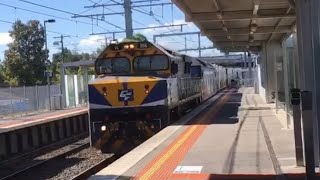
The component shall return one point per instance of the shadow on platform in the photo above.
(225, 113)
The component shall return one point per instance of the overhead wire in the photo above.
(58, 17)
(153, 16)
(136, 21)
(100, 19)
(40, 5)
(157, 20)
(63, 11)
(71, 13)
(67, 12)
(50, 15)
(55, 32)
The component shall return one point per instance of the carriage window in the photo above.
(187, 67)
(112, 65)
(151, 63)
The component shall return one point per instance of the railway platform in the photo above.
(20, 135)
(12, 123)
(234, 135)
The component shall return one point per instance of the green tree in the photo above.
(69, 56)
(2, 75)
(24, 61)
(137, 37)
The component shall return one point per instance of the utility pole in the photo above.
(62, 47)
(185, 44)
(128, 18)
(62, 85)
(199, 44)
(48, 73)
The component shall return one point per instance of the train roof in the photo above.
(167, 51)
(195, 61)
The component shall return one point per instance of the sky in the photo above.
(80, 30)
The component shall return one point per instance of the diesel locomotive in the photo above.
(141, 88)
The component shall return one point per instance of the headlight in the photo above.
(103, 128)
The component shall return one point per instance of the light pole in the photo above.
(47, 72)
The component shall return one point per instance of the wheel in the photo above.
(178, 113)
(166, 118)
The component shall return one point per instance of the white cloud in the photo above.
(5, 39)
(92, 41)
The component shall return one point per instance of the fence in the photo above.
(26, 99)
(22, 100)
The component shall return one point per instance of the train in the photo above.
(141, 88)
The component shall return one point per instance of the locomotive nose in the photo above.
(131, 91)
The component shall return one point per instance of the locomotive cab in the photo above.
(130, 96)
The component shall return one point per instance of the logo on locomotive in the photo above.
(125, 95)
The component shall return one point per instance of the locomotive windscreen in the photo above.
(112, 65)
(151, 63)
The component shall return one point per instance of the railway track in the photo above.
(95, 168)
(43, 150)
(22, 171)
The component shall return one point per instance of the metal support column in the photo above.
(315, 18)
(48, 88)
(296, 81)
(295, 101)
(245, 61)
(245, 69)
(286, 84)
(113, 36)
(185, 43)
(86, 84)
(308, 46)
(199, 44)
(250, 68)
(128, 18)
(306, 107)
(63, 87)
(154, 39)
(275, 71)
